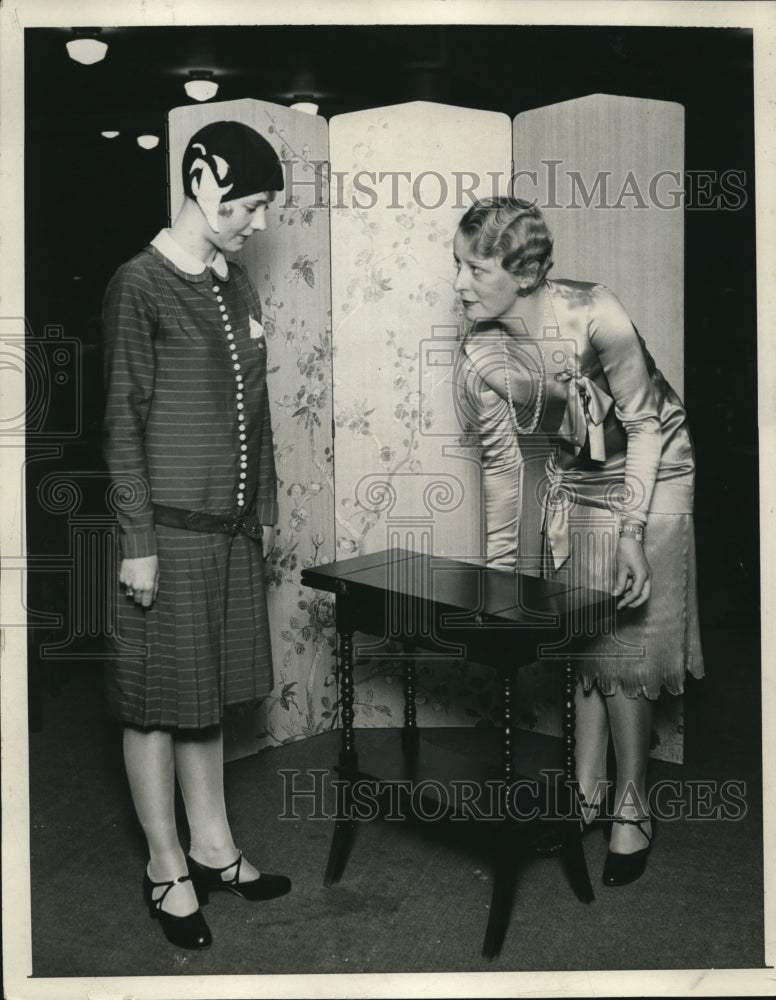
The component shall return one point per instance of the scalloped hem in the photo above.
(610, 685)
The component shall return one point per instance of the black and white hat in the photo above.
(228, 160)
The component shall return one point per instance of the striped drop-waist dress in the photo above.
(187, 425)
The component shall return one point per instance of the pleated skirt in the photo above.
(203, 644)
(652, 647)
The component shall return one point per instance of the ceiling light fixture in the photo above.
(201, 86)
(86, 48)
(110, 134)
(305, 102)
(148, 141)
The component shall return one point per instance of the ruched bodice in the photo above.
(618, 430)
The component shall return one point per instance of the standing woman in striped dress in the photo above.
(188, 443)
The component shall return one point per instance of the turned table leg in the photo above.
(348, 757)
(344, 825)
(409, 733)
(572, 852)
(507, 846)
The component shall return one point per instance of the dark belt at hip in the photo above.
(219, 524)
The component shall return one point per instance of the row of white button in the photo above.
(239, 397)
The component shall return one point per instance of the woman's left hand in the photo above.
(634, 577)
(267, 539)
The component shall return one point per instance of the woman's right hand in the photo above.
(140, 578)
(634, 576)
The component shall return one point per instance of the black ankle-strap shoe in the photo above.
(207, 880)
(190, 931)
(621, 869)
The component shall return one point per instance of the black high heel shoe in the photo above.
(190, 931)
(620, 869)
(207, 880)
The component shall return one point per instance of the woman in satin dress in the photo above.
(561, 359)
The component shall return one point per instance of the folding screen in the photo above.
(609, 179)
(402, 476)
(607, 172)
(290, 266)
(406, 474)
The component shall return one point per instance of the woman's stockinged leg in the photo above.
(630, 720)
(592, 741)
(149, 762)
(199, 764)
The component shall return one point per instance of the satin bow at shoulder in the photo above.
(586, 410)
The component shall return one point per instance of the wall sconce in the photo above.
(86, 48)
(148, 141)
(305, 102)
(110, 134)
(201, 86)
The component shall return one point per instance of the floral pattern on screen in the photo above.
(405, 475)
(290, 266)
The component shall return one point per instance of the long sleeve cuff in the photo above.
(137, 543)
(267, 511)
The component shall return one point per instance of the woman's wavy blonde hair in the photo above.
(513, 230)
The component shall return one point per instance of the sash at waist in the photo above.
(567, 487)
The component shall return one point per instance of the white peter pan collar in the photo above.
(186, 261)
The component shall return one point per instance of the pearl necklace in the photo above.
(537, 412)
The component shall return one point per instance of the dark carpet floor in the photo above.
(412, 898)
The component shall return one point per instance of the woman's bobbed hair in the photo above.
(513, 230)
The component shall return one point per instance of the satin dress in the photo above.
(612, 438)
